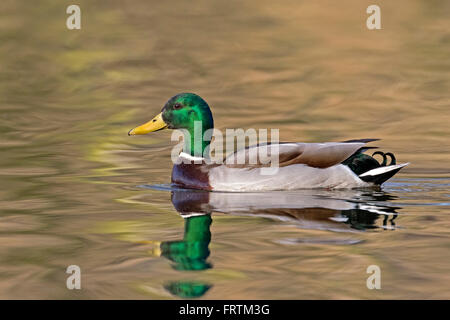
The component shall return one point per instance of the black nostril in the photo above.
(154, 120)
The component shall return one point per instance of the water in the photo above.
(75, 189)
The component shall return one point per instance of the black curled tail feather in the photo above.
(393, 160)
(383, 155)
(361, 163)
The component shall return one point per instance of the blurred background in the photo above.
(70, 175)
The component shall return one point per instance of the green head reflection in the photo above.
(187, 289)
(192, 252)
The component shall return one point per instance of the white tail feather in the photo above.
(381, 170)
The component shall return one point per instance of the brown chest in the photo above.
(189, 175)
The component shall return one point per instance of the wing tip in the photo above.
(360, 140)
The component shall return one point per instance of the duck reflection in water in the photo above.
(345, 210)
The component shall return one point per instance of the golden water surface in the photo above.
(76, 190)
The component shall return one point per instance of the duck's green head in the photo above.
(182, 111)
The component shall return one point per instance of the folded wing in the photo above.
(317, 155)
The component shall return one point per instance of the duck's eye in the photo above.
(177, 106)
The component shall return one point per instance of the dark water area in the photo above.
(76, 190)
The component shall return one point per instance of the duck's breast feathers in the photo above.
(317, 155)
(191, 175)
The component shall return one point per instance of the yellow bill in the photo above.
(157, 123)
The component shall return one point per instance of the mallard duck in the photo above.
(329, 165)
